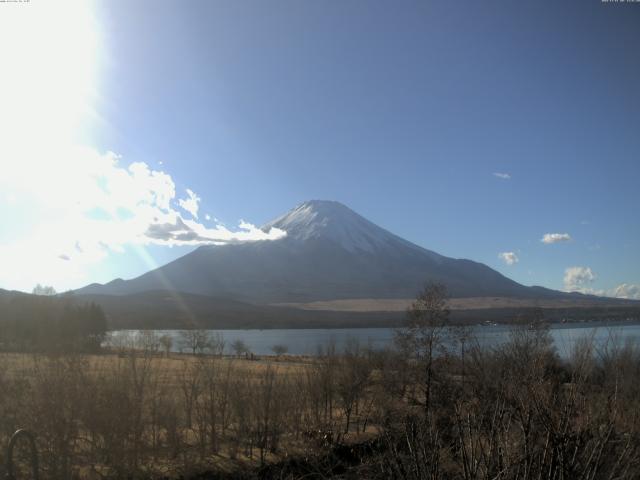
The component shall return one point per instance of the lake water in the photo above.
(307, 341)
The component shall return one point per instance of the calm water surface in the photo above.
(307, 341)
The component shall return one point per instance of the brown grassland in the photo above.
(435, 406)
(142, 413)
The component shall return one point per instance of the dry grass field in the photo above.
(467, 303)
(144, 414)
(514, 412)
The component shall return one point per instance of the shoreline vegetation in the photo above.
(423, 408)
(159, 310)
(271, 317)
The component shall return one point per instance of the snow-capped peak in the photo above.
(334, 221)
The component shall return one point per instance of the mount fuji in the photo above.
(333, 268)
(329, 253)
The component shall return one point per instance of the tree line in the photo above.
(50, 323)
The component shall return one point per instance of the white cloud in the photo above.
(207, 217)
(510, 258)
(504, 176)
(626, 290)
(550, 238)
(174, 230)
(190, 204)
(87, 205)
(579, 279)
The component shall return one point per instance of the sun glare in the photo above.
(49, 53)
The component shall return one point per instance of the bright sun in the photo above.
(49, 55)
(49, 52)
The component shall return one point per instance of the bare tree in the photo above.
(190, 384)
(427, 319)
(279, 349)
(239, 347)
(216, 344)
(44, 290)
(352, 380)
(148, 341)
(167, 342)
(196, 340)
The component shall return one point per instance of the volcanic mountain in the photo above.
(329, 253)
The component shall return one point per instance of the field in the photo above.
(516, 411)
(465, 303)
(141, 413)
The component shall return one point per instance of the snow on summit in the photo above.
(333, 221)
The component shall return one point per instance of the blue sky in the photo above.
(403, 111)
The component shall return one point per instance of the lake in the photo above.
(307, 341)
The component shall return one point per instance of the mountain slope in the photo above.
(330, 252)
